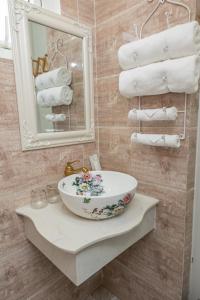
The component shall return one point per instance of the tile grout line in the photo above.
(78, 12)
(123, 12)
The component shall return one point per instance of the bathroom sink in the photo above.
(98, 194)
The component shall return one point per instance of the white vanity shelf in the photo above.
(80, 247)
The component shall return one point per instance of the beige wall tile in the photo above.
(86, 12)
(156, 263)
(106, 9)
(112, 108)
(127, 285)
(69, 9)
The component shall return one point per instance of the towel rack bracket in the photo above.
(183, 134)
(159, 3)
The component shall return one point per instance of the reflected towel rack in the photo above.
(56, 46)
(161, 2)
(41, 4)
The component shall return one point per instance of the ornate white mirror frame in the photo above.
(20, 13)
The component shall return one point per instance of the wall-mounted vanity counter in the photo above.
(80, 247)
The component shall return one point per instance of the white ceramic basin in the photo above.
(97, 194)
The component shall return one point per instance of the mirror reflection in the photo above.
(57, 65)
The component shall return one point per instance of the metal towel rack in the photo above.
(162, 2)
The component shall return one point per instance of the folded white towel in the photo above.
(179, 41)
(161, 140)
(58, 77)
(55, 96)
(56, 117)
(160, 114)
(176, 75)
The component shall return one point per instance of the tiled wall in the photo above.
(157, 267)
(24, 272)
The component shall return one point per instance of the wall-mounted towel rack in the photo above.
(161, 2)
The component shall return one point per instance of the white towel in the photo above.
(55, 96)
(176, 75)
(56, 117)
(58, 77)
(160, 114)
(161, 140)
(179, 41)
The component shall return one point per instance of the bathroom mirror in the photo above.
(54, 77)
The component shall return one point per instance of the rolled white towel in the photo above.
(55, 96)
(179, 41)
(160, 114)
(58, 77)
(56, 117)
(176, 75)
(160, 140)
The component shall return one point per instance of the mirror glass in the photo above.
(58, 75)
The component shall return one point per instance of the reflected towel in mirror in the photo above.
(161, 140)
(58, 77)
(175, 75)
(56, 117)
(55, 96)
(179, 41)
(159, 114)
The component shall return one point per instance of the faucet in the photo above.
(69, 169)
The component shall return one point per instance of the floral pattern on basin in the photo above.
(88, 185)
(110, 211)
(97, 195)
